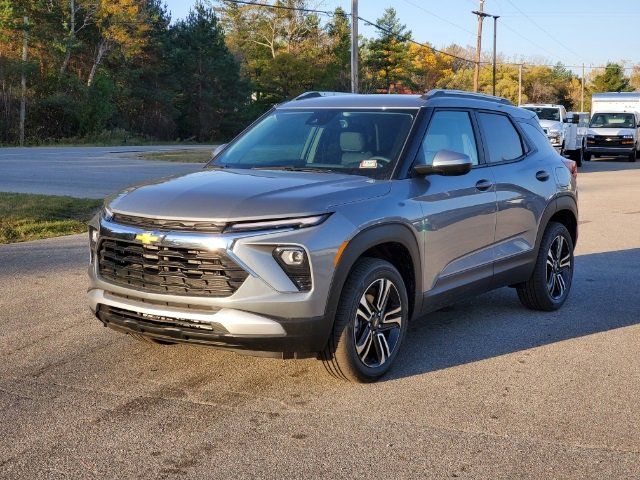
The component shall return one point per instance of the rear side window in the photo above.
(537, 136)
(501, 138)
(449, 130)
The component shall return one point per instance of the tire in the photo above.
(587, 157)
(362, 346)
(548, 287)
(576, 156)
(632, 156)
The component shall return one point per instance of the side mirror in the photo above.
(575, 118)
(217, 150)
(447, 163)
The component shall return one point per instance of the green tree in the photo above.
(388, 58)
(611, 80)
(337, 73)
(210, 90)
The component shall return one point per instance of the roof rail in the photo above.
(316, 94)
(436, 93)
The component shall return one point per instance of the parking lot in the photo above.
(85, 172)
(483, 389)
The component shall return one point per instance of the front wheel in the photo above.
(548, 287)
(586, 157)
(633, 156)
(370, 323)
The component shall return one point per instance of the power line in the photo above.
(404, 38)
(407, 38)
(420, 7)
(545, 31)
(285, 7)
(505, 25)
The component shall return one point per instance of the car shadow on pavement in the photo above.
(608, 164)
(603, 297)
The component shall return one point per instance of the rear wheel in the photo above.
(370, 322)
(549, 285)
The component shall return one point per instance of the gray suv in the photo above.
(334, 221)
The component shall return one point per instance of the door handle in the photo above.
(483, 185)
(542, 175)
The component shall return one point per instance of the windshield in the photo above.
(359, 142)
(546, 113)
(613, 120)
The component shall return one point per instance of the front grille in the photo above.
(143, 322)
(607, 141)
(147, 223)
(169, 270)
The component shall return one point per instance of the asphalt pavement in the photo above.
(483, 389)
(85, 172)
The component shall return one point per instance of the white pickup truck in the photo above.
(614, 128)
(562, 129)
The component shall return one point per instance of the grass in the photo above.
(182, 156)
(31, 217)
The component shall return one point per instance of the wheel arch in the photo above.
(392, 242)
(563, 209)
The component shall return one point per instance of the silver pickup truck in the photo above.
(562, 129)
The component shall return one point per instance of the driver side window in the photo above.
(449, 130)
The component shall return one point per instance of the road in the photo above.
(484, 389)
(85, 172)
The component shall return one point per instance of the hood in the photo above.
(551, 124)
(611, 131)
(245, 194)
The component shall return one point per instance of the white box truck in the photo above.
(615, 125)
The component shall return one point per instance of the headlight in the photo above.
(294, 262)
(591, 137)
(107, 214)
(285, 223)
(628, 137)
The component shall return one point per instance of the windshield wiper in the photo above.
(290, 168)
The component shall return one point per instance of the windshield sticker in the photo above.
(369, 164)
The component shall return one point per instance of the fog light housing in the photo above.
(295, 263)
(93, 242)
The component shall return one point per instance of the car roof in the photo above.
(434, 98)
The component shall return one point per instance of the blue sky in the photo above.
(570, 31)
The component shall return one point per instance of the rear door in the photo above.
(525, 183)
(459, 211)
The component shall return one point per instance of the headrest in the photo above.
(351, 141)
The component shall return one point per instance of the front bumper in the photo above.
(265, 314)
(611, 150)
(225, 328)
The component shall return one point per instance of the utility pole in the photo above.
(23, 77)
(476, 72)
(495, 26)
(520, 84)
(582, 91)
(354, 46)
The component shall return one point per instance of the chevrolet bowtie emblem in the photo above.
(147, 237)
